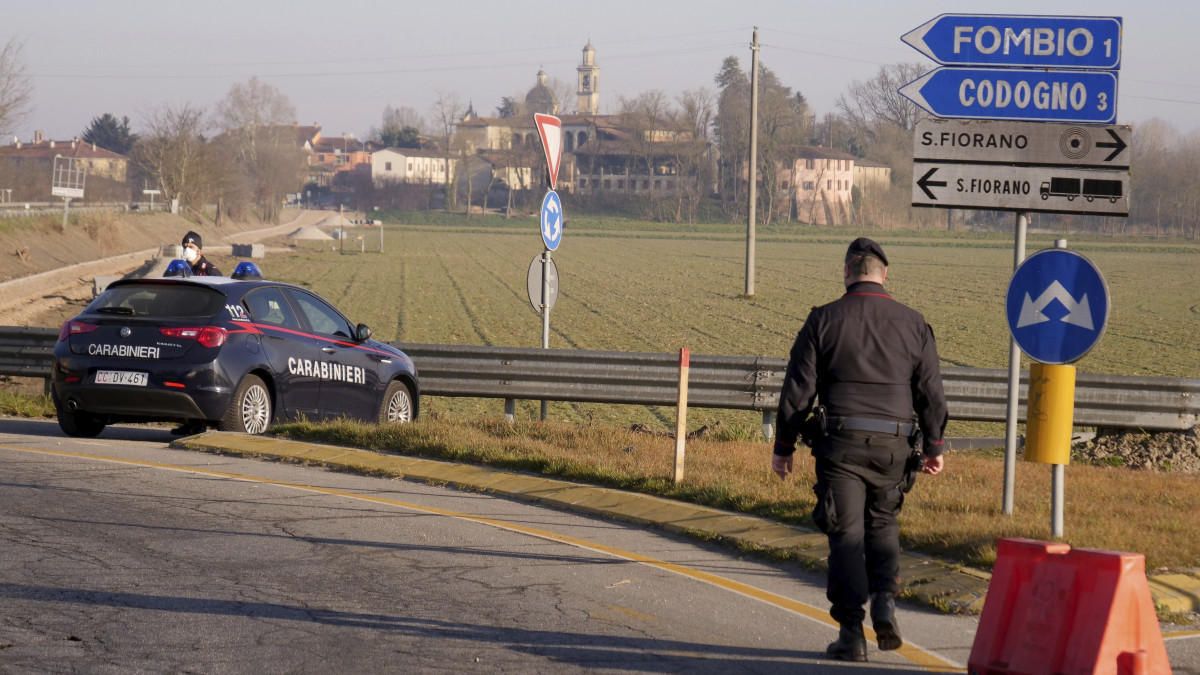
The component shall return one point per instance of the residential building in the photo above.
(408, 165)
(820, 184)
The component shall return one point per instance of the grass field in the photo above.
(645, 287)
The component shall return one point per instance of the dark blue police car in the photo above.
(239, 353)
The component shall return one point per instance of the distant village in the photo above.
(492, 162)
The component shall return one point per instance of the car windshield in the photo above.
(160, 301)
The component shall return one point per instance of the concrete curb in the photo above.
(925, 580)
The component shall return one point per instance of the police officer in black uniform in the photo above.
(870, 362)
(193, 254)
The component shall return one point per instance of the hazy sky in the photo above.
(341, 62)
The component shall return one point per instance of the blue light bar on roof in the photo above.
(178, 268)
(246, 270)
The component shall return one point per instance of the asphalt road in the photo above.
(119, 554)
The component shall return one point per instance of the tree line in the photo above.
(243, 155)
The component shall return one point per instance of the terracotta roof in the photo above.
(49, 149)
(416, 152)
(819, 152)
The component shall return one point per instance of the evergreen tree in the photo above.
(110, 133)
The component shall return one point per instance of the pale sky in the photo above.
(342, 62)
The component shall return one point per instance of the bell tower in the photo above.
(587, 92)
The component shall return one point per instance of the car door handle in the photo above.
(329, 350)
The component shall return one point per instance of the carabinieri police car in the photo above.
(239, 353)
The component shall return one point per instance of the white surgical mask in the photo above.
(189, 254)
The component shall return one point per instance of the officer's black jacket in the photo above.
(864, 355)
(203, 268)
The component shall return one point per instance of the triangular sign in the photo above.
(550, 129)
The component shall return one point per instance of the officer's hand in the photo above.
(933, 465)
(781, 465)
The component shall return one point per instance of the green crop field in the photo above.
(650, 288)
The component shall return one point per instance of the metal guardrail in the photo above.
(725, 382)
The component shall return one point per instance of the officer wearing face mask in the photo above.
(193, 254)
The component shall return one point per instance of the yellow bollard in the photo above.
(1050, 413)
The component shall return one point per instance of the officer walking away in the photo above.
(872, 365)
(193, 254)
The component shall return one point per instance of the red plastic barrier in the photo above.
(1052, 610)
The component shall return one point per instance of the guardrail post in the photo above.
(768, 425)
(510, 410)
(681, 413)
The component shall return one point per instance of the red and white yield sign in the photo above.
(550, 129)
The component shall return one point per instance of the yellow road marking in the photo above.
(916, 655)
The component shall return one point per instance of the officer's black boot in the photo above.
(851, 644)
(883, 620)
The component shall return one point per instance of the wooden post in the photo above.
(681, 414)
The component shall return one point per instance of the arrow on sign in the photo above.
(1117, 144)
(552, 225)
(1078, 313)
(924, 183)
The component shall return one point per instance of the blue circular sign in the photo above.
(552, 220)
(1057, 306)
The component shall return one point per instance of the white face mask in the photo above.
(189, 254)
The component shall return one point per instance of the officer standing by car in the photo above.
(870, 362)
(193, 255)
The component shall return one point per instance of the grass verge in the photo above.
(956, 516)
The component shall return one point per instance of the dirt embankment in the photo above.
(1162, 451)
(47, 274)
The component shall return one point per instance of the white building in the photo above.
(408, 165)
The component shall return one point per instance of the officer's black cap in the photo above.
(863, 246)
(192, 238)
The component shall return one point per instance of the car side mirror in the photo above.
(363, 332)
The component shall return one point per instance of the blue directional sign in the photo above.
(1078, 42)
(1058, 306)
(1017, 94)
(552, 220)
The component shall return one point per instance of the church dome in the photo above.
(540, 99)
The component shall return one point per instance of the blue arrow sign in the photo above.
(1057, 306)
(1020, 41)
(1009, 94)
(552, 220)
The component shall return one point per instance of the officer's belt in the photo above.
(869, 424)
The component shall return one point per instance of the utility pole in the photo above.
(753, 164)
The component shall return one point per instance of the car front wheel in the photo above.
(397, 405)
(250, 410)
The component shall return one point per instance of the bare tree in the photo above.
(258, 120)
(693, 154)
(446, 112)
(16, 88)
(173, 152)
(878, 101)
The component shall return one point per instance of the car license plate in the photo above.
(121, 377)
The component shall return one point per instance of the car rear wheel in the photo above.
(250, 410)
(397, 405)
(79, 424)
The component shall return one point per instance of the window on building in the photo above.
(829, 185)
(321, 158)
(808, 164)
(808, 185)
(658, 184)
(646, 184)
(620, 185)
(670, 185)
(607, 183)
(582, 182)
(410, 166)
(783, 184)
(387, 166)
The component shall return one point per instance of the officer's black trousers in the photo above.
(858, 476)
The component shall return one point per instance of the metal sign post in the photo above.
(67, 182)
(551, 218)
(1034, 70)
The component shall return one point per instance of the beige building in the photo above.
(820, 184)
